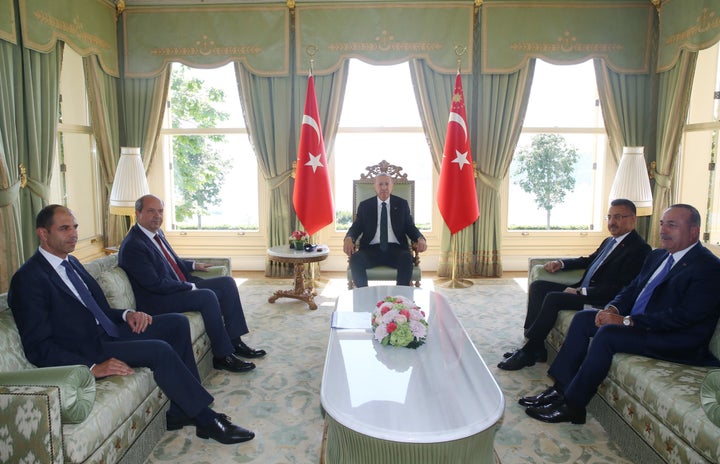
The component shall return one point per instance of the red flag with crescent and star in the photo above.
(457, 197)
(312, 195)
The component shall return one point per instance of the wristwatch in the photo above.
(627, 321)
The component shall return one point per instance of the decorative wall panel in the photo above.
(207, 37)
(89, 30)
(8, 32)
(689, 24)
(384, 33)
(566, 32)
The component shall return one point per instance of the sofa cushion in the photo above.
(76, 385)
(12, 355)
(116, 287)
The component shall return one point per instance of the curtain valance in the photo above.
(7, 22)
(387, 33)
(566, 32)
(89, 30)
(686, 24)
(207, 37)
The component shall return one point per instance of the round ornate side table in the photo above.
(301, 291)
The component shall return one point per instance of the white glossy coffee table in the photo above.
(438, 403)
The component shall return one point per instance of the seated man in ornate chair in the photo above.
(383, 224)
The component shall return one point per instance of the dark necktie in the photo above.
(644, 297)
(170, 259)
(383, 227)
(596, 264)
(89, 301)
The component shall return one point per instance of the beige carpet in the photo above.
(280, 401)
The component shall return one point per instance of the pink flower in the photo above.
(391, 326)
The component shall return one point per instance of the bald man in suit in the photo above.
(368, 228)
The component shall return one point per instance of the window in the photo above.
(699, 182)
(563, 116)
(214, 172)
(75, 180)
(380, 121)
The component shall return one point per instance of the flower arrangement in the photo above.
(299, 236)
(398, 321)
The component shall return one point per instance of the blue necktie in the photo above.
(89, 301)
(644, 297)
(383, 228)
(596, 264)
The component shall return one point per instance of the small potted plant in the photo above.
(298, 239)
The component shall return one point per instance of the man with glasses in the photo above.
(613, 265)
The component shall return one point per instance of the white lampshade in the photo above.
(130, 182)
(632, 180)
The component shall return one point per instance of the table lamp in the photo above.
(632, 180)
(130, 183)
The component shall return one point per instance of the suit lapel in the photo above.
(53, 275)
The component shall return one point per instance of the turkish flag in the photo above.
(457, 197)
(312, 196)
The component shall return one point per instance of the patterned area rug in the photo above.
(280, 399)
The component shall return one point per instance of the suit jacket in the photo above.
(618, 269)
(686, 302)
(366, 221)
(147, 268)
(55, 327)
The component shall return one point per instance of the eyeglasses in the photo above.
(617, 217)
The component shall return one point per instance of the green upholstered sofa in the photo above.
(56, 415)
(656, 411)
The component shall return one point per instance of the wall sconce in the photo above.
(632, 181)
(130, 183)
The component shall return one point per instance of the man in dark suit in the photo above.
(163, 283)
(63, 319)
(669, 311)
(614, 264)
(383, 236)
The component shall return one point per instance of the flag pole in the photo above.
(454, 282)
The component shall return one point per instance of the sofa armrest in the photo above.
(218, 267)
(32, 425)
(710, 396)
(537, 272)
(75, 384)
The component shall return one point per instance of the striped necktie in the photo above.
(383, 227)
(89, 301)
(644, 297)
(170, 259)
(596, 264)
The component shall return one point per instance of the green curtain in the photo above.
(142, 108)
(433, 93)
(626, 103)
(11, 111)
(628, 109)
(675, 86)
(103, 97)
(498, 114)
(41, 76)
(273, 128)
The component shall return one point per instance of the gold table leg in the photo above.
(300, 291)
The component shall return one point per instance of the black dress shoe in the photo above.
(549, 396)
(246, 352)
(224, 431)
(233, 364)
(517, 361)
(540, 356)
(177, 422)
(556, 413)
